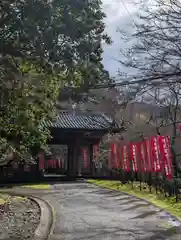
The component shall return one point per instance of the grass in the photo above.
(38, 186)
(167, 203)
(5, 198)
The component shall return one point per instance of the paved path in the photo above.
(86, 212)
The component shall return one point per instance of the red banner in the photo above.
(155, 154)
(58, 162)
(54, 163)
(110, 165)
(125, 158)
(117, 159)
(164, 143)
(134, 156)
(149, 156)
(113, 158)
(169, 158)
(85, 157)
(143, 157)
(62, 162)
(41, 161)
(48, 163)
(51, 163)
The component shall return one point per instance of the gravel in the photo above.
(19, 219)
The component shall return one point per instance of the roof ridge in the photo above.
(83, 113)
(81, 120)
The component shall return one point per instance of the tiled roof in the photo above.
(70, 120)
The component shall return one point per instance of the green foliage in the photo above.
(159, 200)
(28, 100)
(45, 45)
(60, 34)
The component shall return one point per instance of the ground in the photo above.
(19, 217)
(85, 211)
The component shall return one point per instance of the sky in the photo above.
(117, 17)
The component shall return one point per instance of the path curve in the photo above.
(88, 212)
(44, 228)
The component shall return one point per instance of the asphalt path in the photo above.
(84, 211)
(87, 212)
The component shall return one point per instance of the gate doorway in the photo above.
(84, 161)
(57, 161)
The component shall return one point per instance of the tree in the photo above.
(44, 46)
(168, 98)
(62, 34)
(155, 51)
(155, 54)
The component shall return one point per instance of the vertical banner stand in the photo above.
(132, 179)
(156, 183)
(140, 182)
(150, 181)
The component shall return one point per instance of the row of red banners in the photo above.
(52, 163)
(151, 155)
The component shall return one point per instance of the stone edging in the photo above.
(46, 218)
(174, 218)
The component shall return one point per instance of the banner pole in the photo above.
(174, 164)
(132, 179)
(156, 183)
(157, 177)
(150, 181)
(140, 183)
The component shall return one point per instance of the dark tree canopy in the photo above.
(45, 45)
